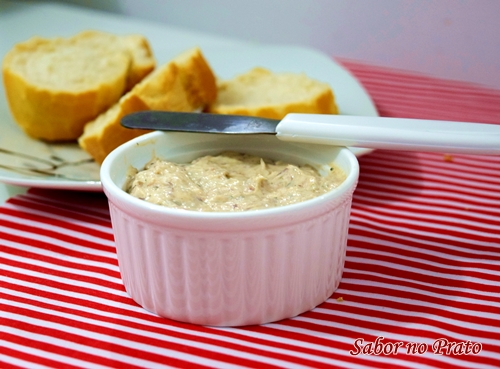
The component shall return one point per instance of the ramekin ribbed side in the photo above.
(233, 278)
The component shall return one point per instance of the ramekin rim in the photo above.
(113, 191)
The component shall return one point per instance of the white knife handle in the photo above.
(391, 133)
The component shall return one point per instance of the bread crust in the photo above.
(55, 86)
(186, 83)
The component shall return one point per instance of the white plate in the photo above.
(32, 163)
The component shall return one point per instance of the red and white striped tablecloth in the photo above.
(421, 286)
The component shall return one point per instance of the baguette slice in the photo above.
(54, 86)
(142, 62)
(186, 83)
(260, 92)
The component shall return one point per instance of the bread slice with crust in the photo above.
(260, 92)
(186, 83)
(54, 86)
(142, 61)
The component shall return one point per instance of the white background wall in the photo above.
(454, 39)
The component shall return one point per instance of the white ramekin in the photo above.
(228, 269)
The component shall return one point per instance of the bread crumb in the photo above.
(448, 158)
(340, 299)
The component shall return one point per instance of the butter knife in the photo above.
(338, 130)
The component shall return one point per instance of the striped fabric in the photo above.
(421, 286)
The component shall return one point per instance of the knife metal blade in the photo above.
(199, 122)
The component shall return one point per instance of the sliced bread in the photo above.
(186, 83)
(260, 92)
(142, 60)
(54, 86)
